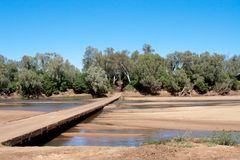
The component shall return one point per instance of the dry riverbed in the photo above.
(143, 113)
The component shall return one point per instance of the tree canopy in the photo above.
(146, 71)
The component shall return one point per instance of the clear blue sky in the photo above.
(69, 26)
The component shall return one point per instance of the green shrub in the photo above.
(225, 138)
(164, 141)
(201, 87)
(97, 81)
(129, 87)
(169, 84)
(30, 84)
(80, 84)
(236, 85)
(49, 87)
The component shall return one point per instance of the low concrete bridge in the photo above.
(41, 128)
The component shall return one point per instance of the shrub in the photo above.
(97, 81)
(169, 84)
(236, 85)
(224, 138)
(201, 87)
(49, 87)
(80, 84)
(30, 84)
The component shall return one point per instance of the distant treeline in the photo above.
(179, 73)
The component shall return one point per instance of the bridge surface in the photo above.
(16, 132)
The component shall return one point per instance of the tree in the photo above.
(183, 82)
(8, 76)
(199, 85)
(80, 85)
(30, 84)
(89, 57)
(97, 81)
(148, 69)
(147, 49)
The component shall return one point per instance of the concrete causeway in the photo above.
(23, 131)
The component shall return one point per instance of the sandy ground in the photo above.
(155, 115)
(157, 98)
(186, 113)
(146, 152)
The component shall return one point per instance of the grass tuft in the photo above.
(157, 141)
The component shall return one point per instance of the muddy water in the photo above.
(42, 105)
(106, 128)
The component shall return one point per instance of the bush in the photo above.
(63, 87)
(169, 84)
(97, 81)
(49, 87)
(80, 84)
(150, 85)
(201, 87)
(30, 84)
(222, 88)
(129, 87)
(224, 138)
(236, 85)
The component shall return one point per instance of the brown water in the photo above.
(99, 130)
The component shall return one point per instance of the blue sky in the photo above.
(69, 26)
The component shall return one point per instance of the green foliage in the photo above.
(97, 81)
(80, 84)
(224, 138)
(146, 71)
(200, 86)
(182, 79)
(169, 84)
(236, 84)
(224, 85)
(129, 87)
(30, 84)
(157, 142)
(49, 87)
(8, 76)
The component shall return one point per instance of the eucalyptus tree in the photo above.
(233, 69)
(149, 68)
(97, 81)
(89, 57)
(147, 49)
(30, 83)
(8, 76)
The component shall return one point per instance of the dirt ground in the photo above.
(146, 152)
(215, 116)
(185, 113)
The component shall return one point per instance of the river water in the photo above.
(42, 105)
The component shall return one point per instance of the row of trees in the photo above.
(47, 74)
(148, 72)
(179, 73)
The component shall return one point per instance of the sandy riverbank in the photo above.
(185, 113)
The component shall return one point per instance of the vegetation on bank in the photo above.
(224, 138)
(179, 73)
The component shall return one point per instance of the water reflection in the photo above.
(47, 105)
